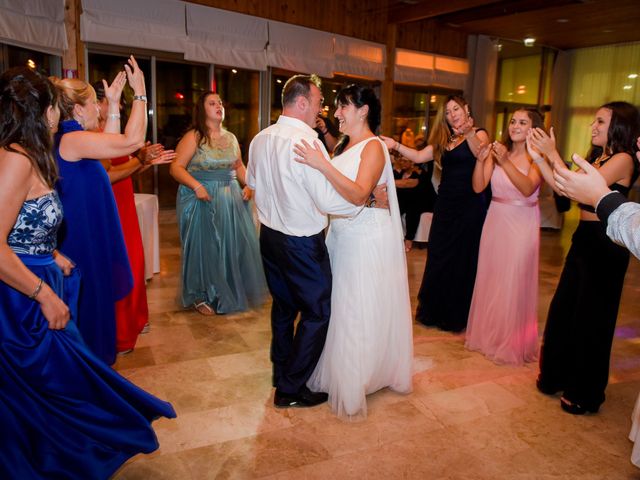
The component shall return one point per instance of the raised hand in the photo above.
(533, 153)
(585, 186)
(484, 153)
(311, 155)
(113, 92)
(135, 76)
(155, 154)
(499, 152)
(545, 144)
(464, 127)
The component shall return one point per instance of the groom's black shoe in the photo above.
(304, 398)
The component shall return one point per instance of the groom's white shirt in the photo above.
(291, 197)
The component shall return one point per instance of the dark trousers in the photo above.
(299, 278)
(576, 346)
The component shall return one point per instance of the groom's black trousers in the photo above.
(299, 277)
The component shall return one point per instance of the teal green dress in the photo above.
(221, 261)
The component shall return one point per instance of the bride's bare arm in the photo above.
(369, 171)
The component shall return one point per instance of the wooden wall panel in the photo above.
(354, 18)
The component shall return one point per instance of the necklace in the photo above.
(454, 137)
(600, 160)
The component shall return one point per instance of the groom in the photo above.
(293, 201)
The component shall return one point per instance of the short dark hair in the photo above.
(299, 85)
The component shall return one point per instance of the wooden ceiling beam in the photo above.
(429, 9)
(502, 9)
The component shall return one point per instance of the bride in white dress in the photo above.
(369, 344)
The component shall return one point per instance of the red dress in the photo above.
(132, 312)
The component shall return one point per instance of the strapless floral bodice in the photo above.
(220, 154)
(36, 227)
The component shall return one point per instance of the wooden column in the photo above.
(73, 57)
(387, 85)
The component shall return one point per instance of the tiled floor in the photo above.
(466, 418)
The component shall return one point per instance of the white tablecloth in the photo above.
(147, 210)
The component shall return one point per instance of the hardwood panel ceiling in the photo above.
(562, 24)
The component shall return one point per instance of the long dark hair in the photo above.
(25, 96)
(624, 129)
(537, 121)
(359, 96)
(200, 118)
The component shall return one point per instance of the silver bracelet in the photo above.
(199, 186)
(142, 98)
(114, 115)
(37, 290)
(538, 160)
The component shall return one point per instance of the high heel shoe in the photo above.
(576, 408)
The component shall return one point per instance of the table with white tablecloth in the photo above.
(147, 210)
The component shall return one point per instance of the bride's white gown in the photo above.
(369, 343)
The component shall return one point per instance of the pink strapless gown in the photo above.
(503, 319)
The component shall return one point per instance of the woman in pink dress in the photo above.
(503, 319)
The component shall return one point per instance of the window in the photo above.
(11, 56)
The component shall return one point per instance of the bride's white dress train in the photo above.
(369, 344)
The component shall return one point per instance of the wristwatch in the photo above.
(142, 98)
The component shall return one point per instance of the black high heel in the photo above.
(576, 408)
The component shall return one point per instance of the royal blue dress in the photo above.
(64, 414)
(91, 234)
(221, 262)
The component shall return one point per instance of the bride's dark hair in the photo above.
(25, 96)
(359, 96)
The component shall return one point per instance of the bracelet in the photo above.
(142, 98)
(114, 115)
(37, 290)
(199, 186)
(538, 160)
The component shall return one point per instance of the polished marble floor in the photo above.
(466, 418)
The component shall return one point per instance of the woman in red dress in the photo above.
(132, 312)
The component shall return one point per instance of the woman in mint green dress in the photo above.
(221, 263)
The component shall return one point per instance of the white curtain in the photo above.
(414, 67)
(228, 38)
(481, 86)
(300, 49)
(359, 57)
(34, 24)
(150, 24)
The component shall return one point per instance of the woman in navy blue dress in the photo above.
(454, 239)
(91, 233)
(63, 412)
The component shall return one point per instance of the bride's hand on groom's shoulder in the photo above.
(311, 155)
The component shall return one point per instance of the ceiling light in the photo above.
(278, 81)
(234, 70)
(529, 42)
(632, 76)
(627, 87)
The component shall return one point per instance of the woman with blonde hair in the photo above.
(447, 286)
(91, 233)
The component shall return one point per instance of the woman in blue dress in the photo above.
(91, 233)
(221, 264)
(63, 412)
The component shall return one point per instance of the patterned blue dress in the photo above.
(63, 412)
(221, 262)
(91, 235)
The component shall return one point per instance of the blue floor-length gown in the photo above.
(64, 413)
(91, 235)
(221, 262)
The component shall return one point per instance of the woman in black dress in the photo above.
(576, 346)
(447, 286)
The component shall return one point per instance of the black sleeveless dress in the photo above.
(454, 240)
